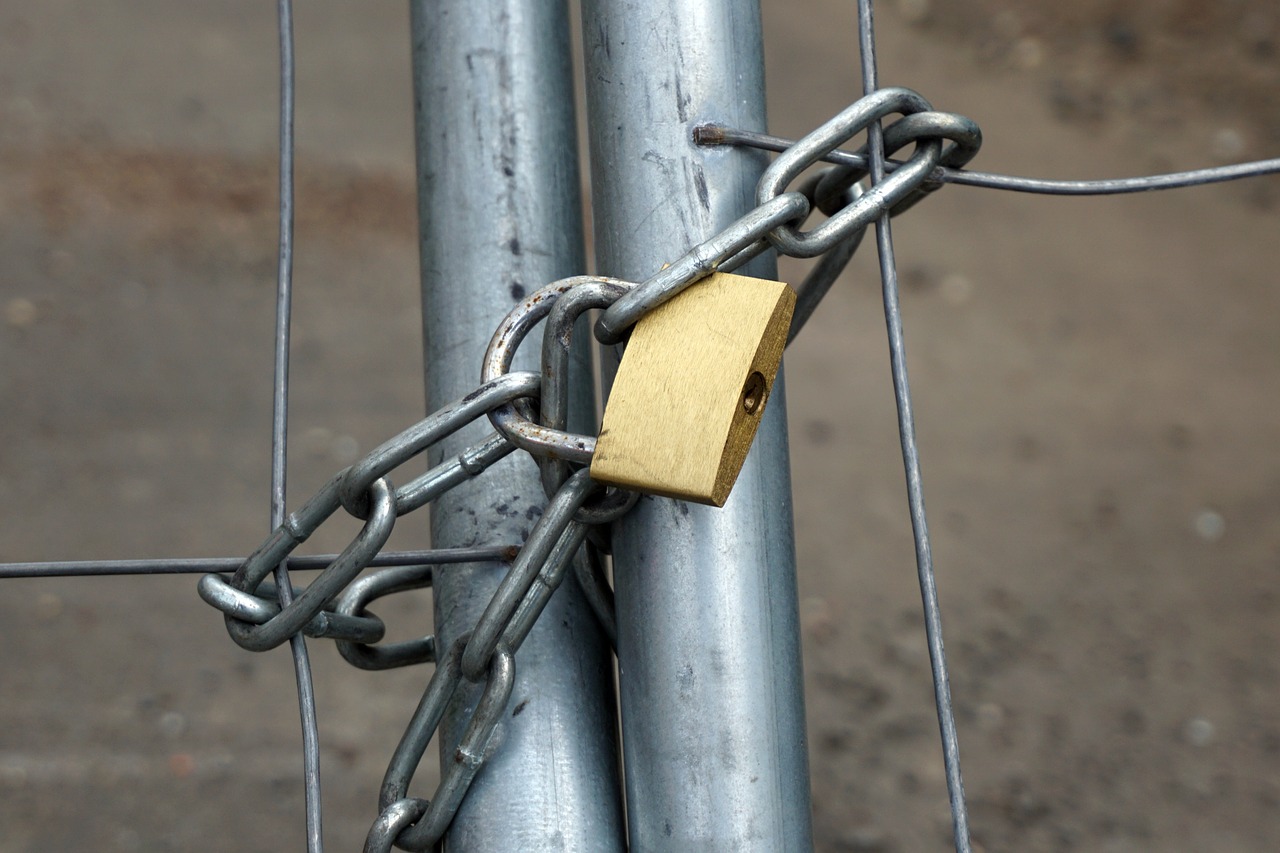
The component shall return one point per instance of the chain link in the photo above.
(366, 590)
(529, 411)
(728, 250)
(964, 135)
(417, 824)
(557, 341)
(869, 205)
(544, 442)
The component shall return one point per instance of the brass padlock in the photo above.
(691, 387)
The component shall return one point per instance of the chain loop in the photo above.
(260, 609)
(871, 204)
(295, 529)
(557, 341)
(556, 523)
(353, 603)
(394, 819)
(963, 134)
(429, 827)
(440, 424)
(541, 441)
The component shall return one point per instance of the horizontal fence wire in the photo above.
(204, 565)
(714, 134)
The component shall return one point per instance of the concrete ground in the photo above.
(1096, 386)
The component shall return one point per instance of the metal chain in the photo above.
(529, 411)
(485, 656)
(779, 212)
(365, 492)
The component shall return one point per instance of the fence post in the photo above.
(500, 215)
(709, 647)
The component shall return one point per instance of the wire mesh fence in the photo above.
(1013, 644)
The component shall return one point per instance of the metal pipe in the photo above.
(708, 627)
(499, 212)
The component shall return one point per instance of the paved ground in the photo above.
(1096, 387)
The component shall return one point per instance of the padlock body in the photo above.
(691, 388)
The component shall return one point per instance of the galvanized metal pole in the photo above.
(708, 631)
(500, 215)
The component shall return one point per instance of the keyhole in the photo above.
(753, 393)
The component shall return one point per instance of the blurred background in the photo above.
(1097, 390)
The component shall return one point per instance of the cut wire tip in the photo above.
(709, 134)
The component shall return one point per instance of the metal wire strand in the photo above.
(911, 455)
(203, 565)
(279, 428)
(713, 134)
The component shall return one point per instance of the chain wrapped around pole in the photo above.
(529, 412)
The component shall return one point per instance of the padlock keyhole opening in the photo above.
(753, 393)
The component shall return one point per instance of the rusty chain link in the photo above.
(529, 412)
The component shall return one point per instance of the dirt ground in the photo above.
(1097, 388)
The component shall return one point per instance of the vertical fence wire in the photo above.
(911, 453)
(280, 423)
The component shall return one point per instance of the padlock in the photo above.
(691, 388)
